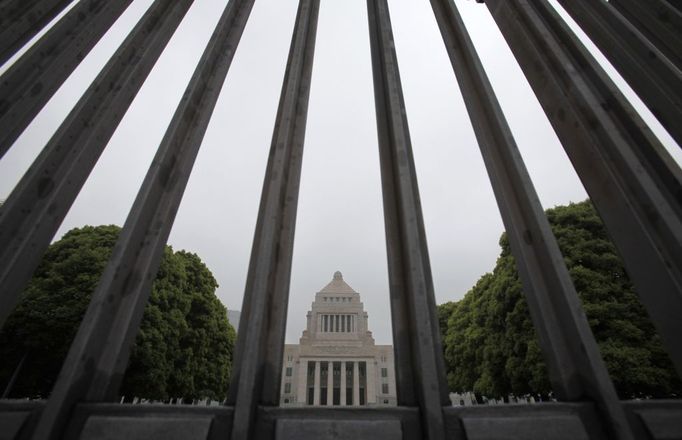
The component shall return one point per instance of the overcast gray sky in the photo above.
(340, 225)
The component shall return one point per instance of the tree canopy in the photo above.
(185, 343)
(491, 346)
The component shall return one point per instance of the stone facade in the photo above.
(337, 340)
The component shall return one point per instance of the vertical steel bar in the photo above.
(415, 326)
(576, 368)
(674, 4)
(20, 20)
(258, 355)
(99, 354)
(659, 20)
(633, 182)
(35, 209)
(650, 74)
(36, 76)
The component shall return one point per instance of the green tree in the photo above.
(185, 343)
(490, 343)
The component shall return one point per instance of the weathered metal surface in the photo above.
(564, 427)
(36, 76)
(220, 417)
(580, 418)
(301, 429)
(36, 207)
(576, 368)
(656, 80)
(21, 20)
(420, 369)
(662, 424)
(675, 4)
(11, 423)
(631, 179)
(258, 354)
(147, 428)
(98, 356)
(660, 21)
(406, 417)
(17, 417)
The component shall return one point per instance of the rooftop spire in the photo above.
(337, 285)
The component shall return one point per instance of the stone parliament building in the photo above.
(336, 362)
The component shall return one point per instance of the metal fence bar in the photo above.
(36, 76)
(576, 368)
(34, 210)
(112, 321)
(406, 391)
(280, 289)
(631, 179)
(659, 20)
(258, 355)
(650, 74)
(21, 20)
(417, 340)
(674, 4)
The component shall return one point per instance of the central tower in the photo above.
(336, 362)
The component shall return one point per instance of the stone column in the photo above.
(302, 386)
(330, 383)
(356, 384)
(342, 401)
(371, 380)
(316, 394)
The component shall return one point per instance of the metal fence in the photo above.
(631, 179)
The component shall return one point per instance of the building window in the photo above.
(384, 372)
(287, 388)
(384, 388)
(289, 371)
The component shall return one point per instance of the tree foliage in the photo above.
(491, 346)
(184, 346)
